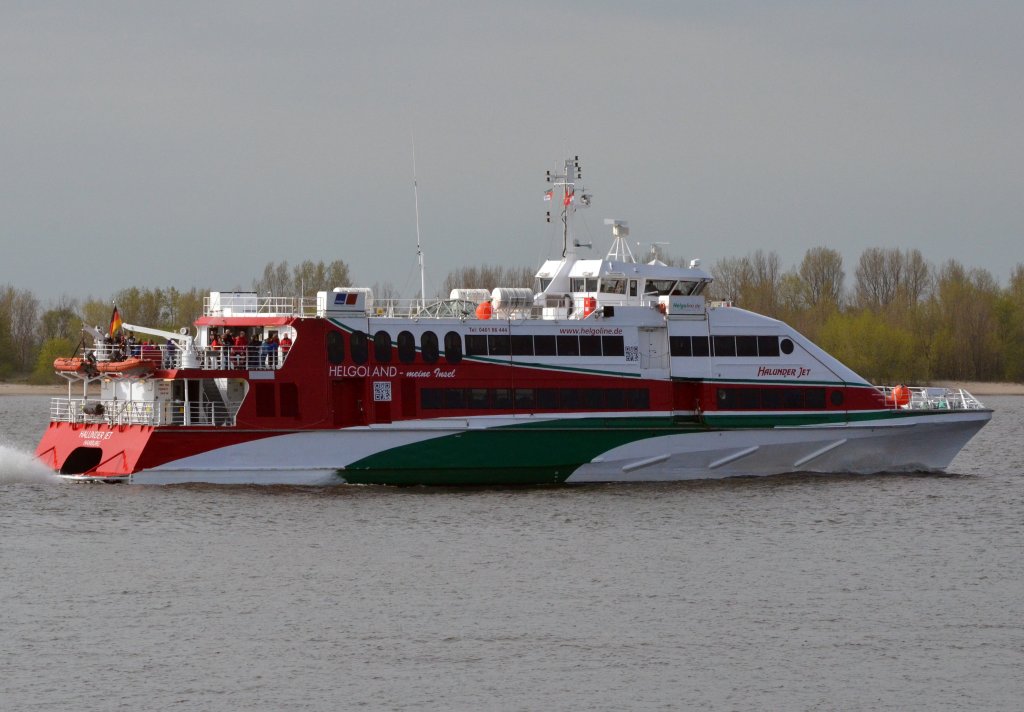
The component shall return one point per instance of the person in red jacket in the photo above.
(286, 345)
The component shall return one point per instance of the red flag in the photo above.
(547, 196)
(115, 323)
(569, 197)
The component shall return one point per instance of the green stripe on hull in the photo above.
(545, 452)
(549, 451)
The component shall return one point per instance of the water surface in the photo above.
(888, 592)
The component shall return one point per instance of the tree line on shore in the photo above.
(899, 319)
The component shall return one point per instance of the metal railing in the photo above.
(120, 412)
(252, 358)
(930, 398)
(253, 305)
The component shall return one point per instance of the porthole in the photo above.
(786, 346)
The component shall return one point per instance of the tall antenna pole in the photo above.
(419, 249)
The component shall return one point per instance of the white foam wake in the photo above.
(20, 466)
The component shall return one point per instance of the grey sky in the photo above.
(190, 143)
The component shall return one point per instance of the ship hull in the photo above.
(531, 450)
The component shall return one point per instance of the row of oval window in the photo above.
(360, 342)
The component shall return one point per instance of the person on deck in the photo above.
(169, 354)
(286, 345)
(215, 349)
(268, 352)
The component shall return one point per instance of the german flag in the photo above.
(115, 323)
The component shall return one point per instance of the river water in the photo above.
(787, 593)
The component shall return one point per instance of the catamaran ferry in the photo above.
(614, 371)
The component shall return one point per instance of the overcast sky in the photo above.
(187, 144)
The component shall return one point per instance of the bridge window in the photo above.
(613, 286)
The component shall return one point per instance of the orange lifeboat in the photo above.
(70, 365)
(483, 310)
(129, 367)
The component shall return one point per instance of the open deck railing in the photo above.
(120, 412)
(244, 304)
(932, 398)
(251, 358)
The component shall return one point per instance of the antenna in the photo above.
(564, 189)
(419, 249)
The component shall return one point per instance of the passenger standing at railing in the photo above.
(215, 349)
(169, 353)
(239, 349)
(286, 345)
(226, 342)
(268, 351)
(255, 349)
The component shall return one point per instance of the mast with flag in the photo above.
(565, 184)
(115, 323)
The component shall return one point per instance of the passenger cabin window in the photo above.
(727, 346)
(452, 347)
(335, 347)
(289, 400)
(406, 347)
(382, 347)
(476, 345)
(428, 347)
(778, 398)
(358, 346)
(535, 398)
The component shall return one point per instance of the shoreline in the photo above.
(975, 388)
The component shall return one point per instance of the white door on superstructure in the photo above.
(653, 348)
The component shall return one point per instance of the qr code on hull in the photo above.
(382, 391)
(632, 353)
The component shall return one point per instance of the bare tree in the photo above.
(821, 271)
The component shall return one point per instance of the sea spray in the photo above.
(20, 466)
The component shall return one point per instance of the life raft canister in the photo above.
(899, 397)
(483, 310)
(589, 305)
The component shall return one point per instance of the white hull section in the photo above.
(923, 444)
(914, 444)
